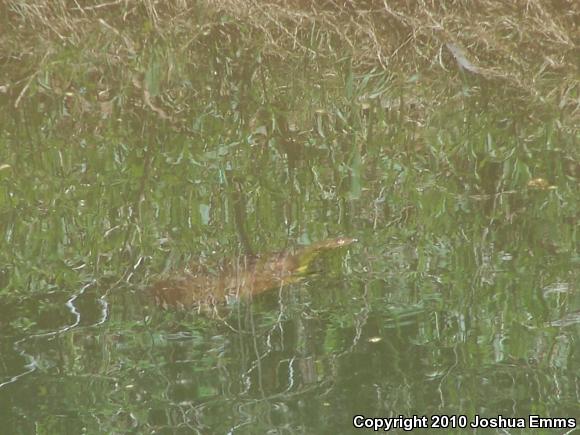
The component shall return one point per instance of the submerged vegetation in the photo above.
(140, 136)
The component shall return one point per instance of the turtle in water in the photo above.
(248, 276)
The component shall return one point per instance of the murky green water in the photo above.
(459, 299)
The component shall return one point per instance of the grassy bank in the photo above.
(114, 58)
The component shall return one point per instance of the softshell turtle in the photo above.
(248, 276)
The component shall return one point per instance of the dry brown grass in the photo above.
(520, 41)
(530, 45)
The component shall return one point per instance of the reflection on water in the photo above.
(454, 304)
(305, 359)
(451, 303)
